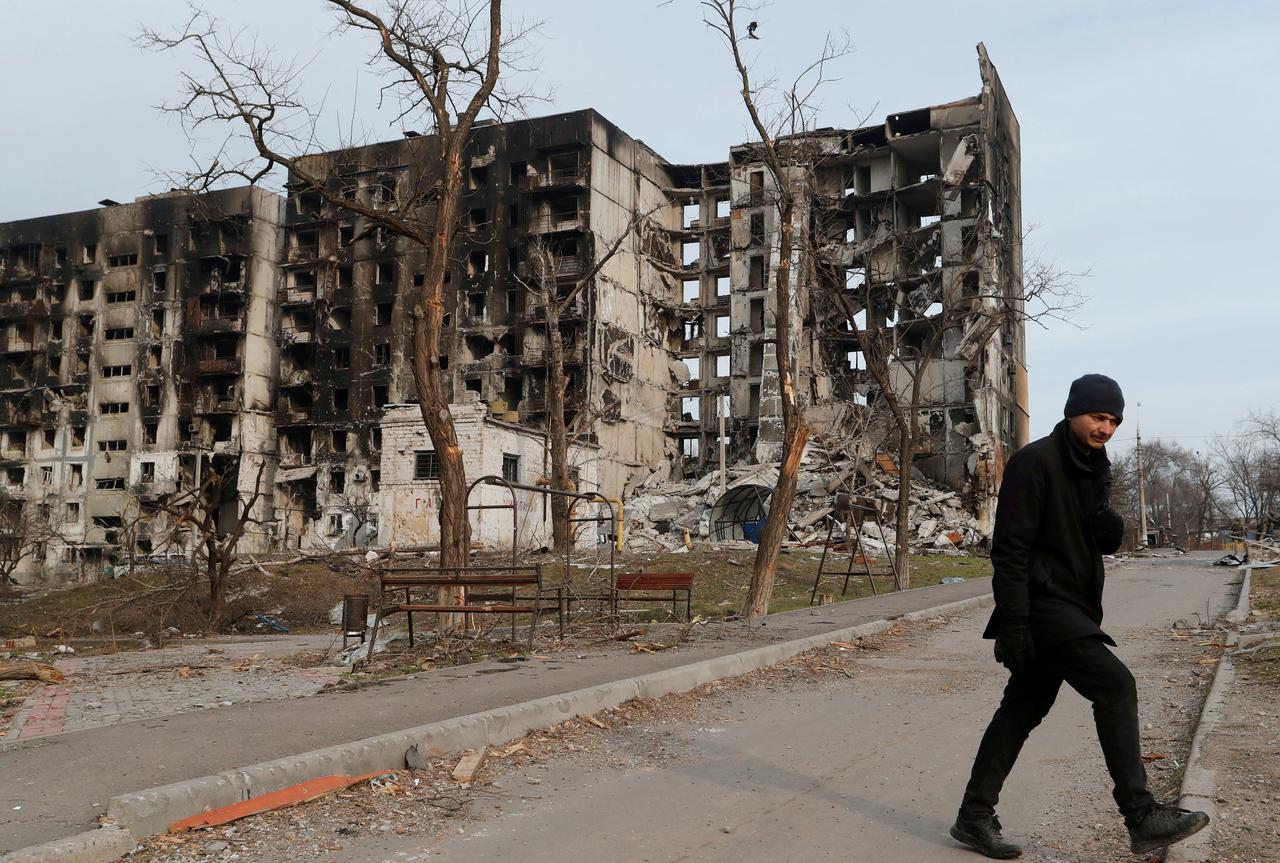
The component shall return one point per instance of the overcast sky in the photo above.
(1149, 139)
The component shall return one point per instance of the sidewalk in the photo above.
(62, 782)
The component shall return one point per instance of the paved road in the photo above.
(864, 770)
(56, 785)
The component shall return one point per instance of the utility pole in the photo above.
(721, 407)
(1142, 486)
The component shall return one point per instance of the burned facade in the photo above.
(138, 351)
(138, 339)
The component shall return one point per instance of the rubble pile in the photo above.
(665, 515)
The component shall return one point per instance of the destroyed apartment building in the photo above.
(143, 344)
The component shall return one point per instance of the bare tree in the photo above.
(1251, 476)
(786, 160)
(442, 61)
(360, 511)
(25, 531)
(545, 285)
(198, 512)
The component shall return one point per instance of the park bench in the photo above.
(512, 590)
(644, 587)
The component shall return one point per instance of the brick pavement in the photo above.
(114, 688)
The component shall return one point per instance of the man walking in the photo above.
(1053, 524)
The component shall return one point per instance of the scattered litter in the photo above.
(470, 763)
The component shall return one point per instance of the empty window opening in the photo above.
(426, 465)
(722, 208)
(472, 385)
(722, 326)
(384, 273)
(340, 318)
(757, 229)
(122, 296)
(89, 253)
(755, 276)
(382, 354)
(694, 364)
(117, 371)
(478, 219)
(510, 467)
(346, 235)
(935, 308)
(346, 277)
(755, 361)
(113, 483)
(149, 432)
(753, 400)
(756, 180)
(690, 408)
(722, 286)
(478, 346)
(382, 314)
(855, 360)
(337, 481)
(691, 291)
(722, 365)
(159, 278)
(475, 304)
(341, 398)
(519, 170)
(152, 394)
(77, 436)
(479, 177)
(690, 253)
(855, 278)
(342, 358)
(46, 475)
(86, 289)
(106, 408)
(477, 263)
(147, 471)
(692, 330)
(926, 221)
(302, 279)
(380, 397)
(690, 214)
(757, 315)
(690, 447)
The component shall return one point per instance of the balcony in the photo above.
(295, 378)
(218, 366)
(208, 403)
(557, 179)
(573, 356)
(298, 254)
(287, 414)
(555, 224)
(24, 309)
(16, 345)
(565, 268)
(19, 414)
(222, 325)
(298, 297)
(17, 272)
(296, 336)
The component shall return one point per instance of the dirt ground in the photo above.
(1244, 749)
(164, 604)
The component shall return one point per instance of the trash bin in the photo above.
(751, 530)
(355, 617)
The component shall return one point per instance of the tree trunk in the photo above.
(561, 529)
(902, 530)
(216, 584)
(433, 395)
(794, 432)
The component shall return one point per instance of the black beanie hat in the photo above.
(1094, 394)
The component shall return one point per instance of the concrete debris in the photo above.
(662, 510)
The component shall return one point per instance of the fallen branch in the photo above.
(655, 646)
(30, 671)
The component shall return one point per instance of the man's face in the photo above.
(1094, 430)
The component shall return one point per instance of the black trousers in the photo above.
(1096, 673)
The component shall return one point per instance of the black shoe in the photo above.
(1163, 825)
(983, 836)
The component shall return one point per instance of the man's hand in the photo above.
(1014, 648)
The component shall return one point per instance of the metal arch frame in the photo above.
(593, 496)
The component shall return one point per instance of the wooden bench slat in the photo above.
(466, 609)
(655, 581)
(391, 584)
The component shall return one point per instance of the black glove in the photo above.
(1106, 526)
(1014, 648)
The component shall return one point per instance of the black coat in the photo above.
(1048, 567)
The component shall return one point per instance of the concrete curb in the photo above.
(1199, 788)
(150, 812)
(93, 846)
